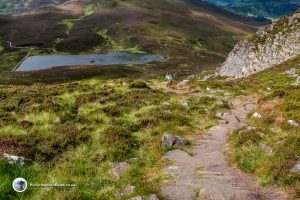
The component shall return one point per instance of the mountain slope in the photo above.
(176, 29)
(270, 46)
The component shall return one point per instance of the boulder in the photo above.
(169, 141)
(15, 160)
(293, 123)
(118, 169)
(184, 104)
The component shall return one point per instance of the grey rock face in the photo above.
(276, 43)
(17, 160)
(169, 141)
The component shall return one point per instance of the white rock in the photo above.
(257, 115)
(293, 123)
(17, 160)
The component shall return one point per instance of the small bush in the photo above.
(138, 84)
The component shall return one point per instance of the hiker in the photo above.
(169, 77)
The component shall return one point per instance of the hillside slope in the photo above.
(270, 46)
(176, 29)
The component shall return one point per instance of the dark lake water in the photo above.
(111, 58)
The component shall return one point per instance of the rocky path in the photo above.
(206, 174)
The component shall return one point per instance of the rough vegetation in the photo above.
(74, 132)
(271, 149)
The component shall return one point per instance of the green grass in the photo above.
(69, 24)
(113, 45)
(72, 132)
(10, 59)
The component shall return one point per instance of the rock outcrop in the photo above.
(169, 141)
(269, 46)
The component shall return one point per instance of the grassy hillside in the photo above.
(74, 132)
(184, 33)
(277, 106)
